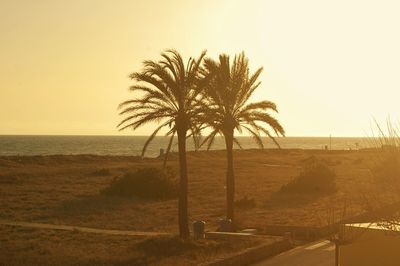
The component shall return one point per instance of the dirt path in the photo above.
(81, 229)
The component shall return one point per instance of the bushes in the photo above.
(149, 183)
(316, 178)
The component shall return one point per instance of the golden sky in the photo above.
(329, 65)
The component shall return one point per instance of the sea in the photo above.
(132, 145)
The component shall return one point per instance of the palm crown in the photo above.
(169, 95)
(226, 108)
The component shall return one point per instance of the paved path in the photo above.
(320, 253)
(80, 229)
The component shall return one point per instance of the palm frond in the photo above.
(268, 119)
(209, 140)
(263, 105)
(171, 140)
(146, 144)
(236, 141)
(255, 135)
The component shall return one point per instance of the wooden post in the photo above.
(337, 253)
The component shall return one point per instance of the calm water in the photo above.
(132, 145)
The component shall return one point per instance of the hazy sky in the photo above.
(329, 65)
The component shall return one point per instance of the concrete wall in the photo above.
(370, 247)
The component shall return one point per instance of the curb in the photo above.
(81, 229)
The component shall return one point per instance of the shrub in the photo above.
(149, 183)
(316, 178)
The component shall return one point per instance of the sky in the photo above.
(330, 66)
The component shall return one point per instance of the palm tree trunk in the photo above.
(183, 186)
(230, 179)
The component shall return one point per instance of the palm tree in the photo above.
(225, 110)
(169, 93)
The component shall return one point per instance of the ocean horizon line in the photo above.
(106, 135)
(133, 145)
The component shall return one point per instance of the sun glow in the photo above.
(330, 66)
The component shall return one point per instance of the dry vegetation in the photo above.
(25, 246)
(66, 190)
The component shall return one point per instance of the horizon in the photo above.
(127, 135)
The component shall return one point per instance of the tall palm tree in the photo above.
(167, 94)
(229, 87)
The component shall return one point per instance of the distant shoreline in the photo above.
(146, 136)
(172, 154)
(133, 145)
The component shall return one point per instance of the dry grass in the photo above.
(24, 246)
(65, 190)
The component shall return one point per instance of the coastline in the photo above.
(132, 145)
